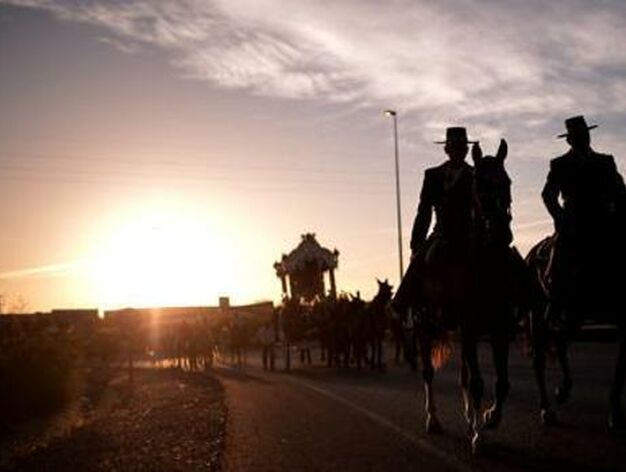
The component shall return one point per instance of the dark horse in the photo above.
(377, 316)
(554, 322)
(476, 298)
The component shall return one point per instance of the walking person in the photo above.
(266, 337)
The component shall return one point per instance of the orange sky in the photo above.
(140, 163)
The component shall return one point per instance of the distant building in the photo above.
(262, 311)
(83, 318)
(73, 319)
(86, 319)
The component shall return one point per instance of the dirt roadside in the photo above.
(169, 420)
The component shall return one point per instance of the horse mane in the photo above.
(540, 259)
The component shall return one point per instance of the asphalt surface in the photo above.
(314, 418)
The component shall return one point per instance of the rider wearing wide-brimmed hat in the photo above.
(448, 190)
(586, 197)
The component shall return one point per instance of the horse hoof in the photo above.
(433, 426)
(616, 422)
(476, 444)
(562, 393)
(548, 417)
(492, 418)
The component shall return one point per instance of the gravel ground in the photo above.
(169, 420)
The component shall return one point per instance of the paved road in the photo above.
(320, 419)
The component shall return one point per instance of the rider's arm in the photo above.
(424, 214)
(620, 188)
(550, 195)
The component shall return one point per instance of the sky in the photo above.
(169, 152)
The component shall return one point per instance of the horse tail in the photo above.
(441, 350)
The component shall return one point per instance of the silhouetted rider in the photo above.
(448, 190)
(585, 195)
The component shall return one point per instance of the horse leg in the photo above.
(398, 345)
(433, 426)
(272, 356)
(375, 354)
(564, 390)
(616, 420)
(539, 334)
(467, 405)
(476, 387)
(500, 349)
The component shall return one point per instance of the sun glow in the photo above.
(163, 258)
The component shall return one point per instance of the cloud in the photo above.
(494, 62)
(51, 270)
(126, 47)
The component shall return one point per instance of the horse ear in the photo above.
(477, 152)
(503, 150)
(379, 282)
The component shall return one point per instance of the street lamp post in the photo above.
(394, 115)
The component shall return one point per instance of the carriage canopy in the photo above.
(302, 270)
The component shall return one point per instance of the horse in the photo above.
(552, 324)
(298, 329)
(476, 297)
(338, 325)
(376, 316)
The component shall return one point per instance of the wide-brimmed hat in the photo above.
(456, 134)
(575, 125)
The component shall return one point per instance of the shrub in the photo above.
(38, 373)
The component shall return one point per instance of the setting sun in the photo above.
(162, 258)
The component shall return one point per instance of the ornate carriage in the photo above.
(302, 270)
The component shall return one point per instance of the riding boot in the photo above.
(406, 293)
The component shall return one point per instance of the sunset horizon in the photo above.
(168, 153)
(312, 235)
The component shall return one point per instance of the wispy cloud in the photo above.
(126, 47)
(50, 270)
(484, 60)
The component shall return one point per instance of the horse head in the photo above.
(385, 290)
(493, 191)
